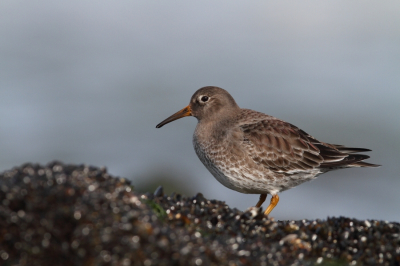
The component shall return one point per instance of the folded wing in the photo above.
(282, 147)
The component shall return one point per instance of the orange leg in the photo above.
(261, 201)
(274, 202)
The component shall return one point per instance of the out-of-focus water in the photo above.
(86, 82)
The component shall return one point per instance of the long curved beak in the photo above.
(182, 113)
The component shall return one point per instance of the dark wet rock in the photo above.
(80, 215)
(159, 192)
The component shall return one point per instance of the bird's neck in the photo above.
(215, 128)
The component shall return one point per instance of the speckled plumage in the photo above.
(252, 152)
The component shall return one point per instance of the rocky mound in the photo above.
(79, 215)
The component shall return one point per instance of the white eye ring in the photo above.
(204, 98)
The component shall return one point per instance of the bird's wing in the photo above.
(283, 147)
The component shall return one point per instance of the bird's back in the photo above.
(284, 148)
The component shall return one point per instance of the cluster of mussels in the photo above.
(79, 215)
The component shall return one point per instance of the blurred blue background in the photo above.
(87, 82)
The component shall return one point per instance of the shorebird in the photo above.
(256, 153)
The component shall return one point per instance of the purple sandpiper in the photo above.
(255, 153)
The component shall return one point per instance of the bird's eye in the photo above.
(204, 99)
